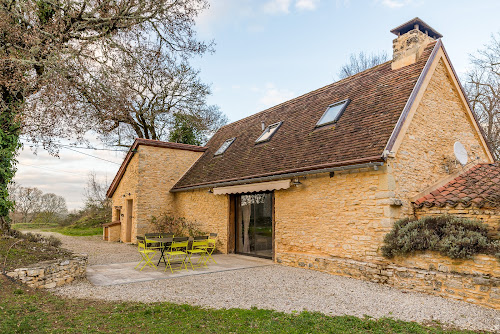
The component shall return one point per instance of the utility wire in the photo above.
(93, 156)
(47, 168)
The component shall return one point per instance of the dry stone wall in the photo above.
(50, 274)
(478, 289)
(489, 216)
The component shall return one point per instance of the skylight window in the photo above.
(333, 113)
(268, 132)
(224, 146)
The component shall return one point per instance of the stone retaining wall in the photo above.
(483, 290)
(49, 274)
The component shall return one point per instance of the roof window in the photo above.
(268, 132)
(224, 146)
(333, 113)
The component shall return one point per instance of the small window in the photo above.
(224, 146)
(333, 113)
(268, 132)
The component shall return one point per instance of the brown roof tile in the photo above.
(480, 187)
(378, 96)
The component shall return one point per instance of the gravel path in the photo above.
(99, 252)
(279, 288)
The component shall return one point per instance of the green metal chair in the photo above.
(146, 253)
(210, 247)
(199, 246)
(152, 244)
(177, 251)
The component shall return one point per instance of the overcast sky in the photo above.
(269, 51)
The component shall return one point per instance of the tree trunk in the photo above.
(9, 143)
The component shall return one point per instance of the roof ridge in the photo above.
(317, 90)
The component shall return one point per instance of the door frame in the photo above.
(233, 200)
(128, 220)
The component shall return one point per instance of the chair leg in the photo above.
(209, 253)
(149, 260)
(168, 265)
(189, 260)
(142, 260)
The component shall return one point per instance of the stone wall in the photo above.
(50, 274)
(489, 216)
(111, 231)
(126, 190)
(478, 289)
(160, 168)
(346, 215)
(150, 175)
(425, 155)
(209, 210)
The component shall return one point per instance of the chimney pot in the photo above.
(413, 37)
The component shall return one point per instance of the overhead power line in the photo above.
(50, 169)
(93, 156)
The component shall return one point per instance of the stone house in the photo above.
(317, 181)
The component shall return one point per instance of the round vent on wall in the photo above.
(460, 153)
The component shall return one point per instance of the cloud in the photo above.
(67, 175)
(396, 3)
(306, 4)
(277, 7)
(221, 13)
(273, 96)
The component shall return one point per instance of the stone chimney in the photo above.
(413, 37)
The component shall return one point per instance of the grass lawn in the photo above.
(23, 310)
(31, 226)
(76, 231)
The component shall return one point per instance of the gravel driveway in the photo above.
(279, 288)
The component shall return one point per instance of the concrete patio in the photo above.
(124, 273)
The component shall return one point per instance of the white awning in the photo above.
(253, 187)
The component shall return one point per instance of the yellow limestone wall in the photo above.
(209, 210)
(160, 169)
(426, 152)
(150, 175)
(127, 185)
(341, 216)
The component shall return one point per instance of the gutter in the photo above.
(280, 176)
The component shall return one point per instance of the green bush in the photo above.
(179, 226)
(457, 238)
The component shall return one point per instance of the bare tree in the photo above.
(95, 192)
(140, 93)
(53, 205)
(44, 41)
(28, 203)
(360, 62)
(483, 90)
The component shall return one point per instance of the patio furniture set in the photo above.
(176, 250)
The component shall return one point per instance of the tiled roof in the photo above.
(479, 186)
(378, 97)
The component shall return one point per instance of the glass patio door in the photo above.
(254, 224)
